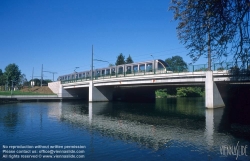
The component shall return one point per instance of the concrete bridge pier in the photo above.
(213, 121)
(100, 93)
(213, 96)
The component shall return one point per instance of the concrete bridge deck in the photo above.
(186, 77)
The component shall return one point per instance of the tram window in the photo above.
(160, 66)
(128, 70)
(135, 68)
(142, 67)
(120, 70)
(149, 67)
(98, 72)
(113, 71)
(107, 71)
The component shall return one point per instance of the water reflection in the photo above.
(164, 128)
(213, 120)
(150, 125)
(11, 118)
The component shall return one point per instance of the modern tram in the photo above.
(119, 70)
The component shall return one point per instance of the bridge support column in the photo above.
(213, 97)
(98, 94)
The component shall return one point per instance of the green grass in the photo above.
(8, 93)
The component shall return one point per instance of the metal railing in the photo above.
(232, 68)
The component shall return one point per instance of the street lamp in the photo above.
(75, 69)
(154, 63)
(101, 60)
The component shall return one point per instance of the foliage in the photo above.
(23, 80)
(200, 69)
(2, 78)
(176, 63)
(37, 82)
(12, 73)
(235, 70)
(161, 93)
(120, 59)
(220, 69)
(226, 22)
(129, 60)
(111, 65)
(190, 92)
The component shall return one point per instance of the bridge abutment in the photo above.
(99, 94)
(213, 96)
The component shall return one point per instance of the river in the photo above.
(168, 129)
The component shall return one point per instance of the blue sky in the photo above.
(60, 33)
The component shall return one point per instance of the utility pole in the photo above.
(42, 76)
(209, 43)
(12, 86)
(92, 63)
(209, 51)
(51, 73)
(32, 73)
(32, 81)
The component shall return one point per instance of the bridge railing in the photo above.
(232, 68)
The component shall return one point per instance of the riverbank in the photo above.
(28, 94)
(29, 91)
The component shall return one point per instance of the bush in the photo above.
(161, 93)
(190, 92)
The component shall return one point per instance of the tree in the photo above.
(37, 82)
(23, 80)
(110, 65)
(176, 63)
(129, 60)
(120, 59)
(2, 78)
(222, 25)
(12, 73)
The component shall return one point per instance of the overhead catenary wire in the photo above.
(136, 58)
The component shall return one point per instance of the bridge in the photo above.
(142, 83)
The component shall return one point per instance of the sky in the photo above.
(59, 34)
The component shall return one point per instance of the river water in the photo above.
(168, 129)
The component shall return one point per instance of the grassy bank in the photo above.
(29, 91)
(8, 93)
